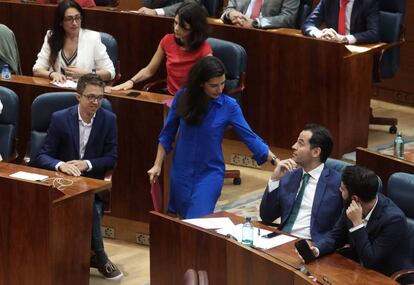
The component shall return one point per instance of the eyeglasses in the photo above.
(91, 98)
(71, 19)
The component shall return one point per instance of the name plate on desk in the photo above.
(29, 176)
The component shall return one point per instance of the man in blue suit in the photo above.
(359, 18)
(373, 226)
(302, 191)
(81, 140)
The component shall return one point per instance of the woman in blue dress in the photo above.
(201, 114)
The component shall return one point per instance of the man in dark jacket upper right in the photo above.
(347, 21)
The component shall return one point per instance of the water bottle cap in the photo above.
(248, 219)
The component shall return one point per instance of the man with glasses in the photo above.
(82, 141)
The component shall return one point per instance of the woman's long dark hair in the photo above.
(193, 104)
(57, 37)
(196, 16)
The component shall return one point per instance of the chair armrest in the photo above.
(117, 74)
(155, 85)
(399, 274)
(108, 175)
(106, 195)
(240, 88)
(401, 40)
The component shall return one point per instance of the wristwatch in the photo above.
(255, 24)
(274, 160)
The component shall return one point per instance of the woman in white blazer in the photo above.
(70, 51)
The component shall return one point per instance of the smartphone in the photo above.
(133, 94)
(271, 235)
(304, 250)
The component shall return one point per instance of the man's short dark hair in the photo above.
(322, 138)
(89, 79)
(361, 182)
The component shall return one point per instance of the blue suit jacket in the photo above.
(62, 141)
(382, 245)
(326, 208)
(364, 19)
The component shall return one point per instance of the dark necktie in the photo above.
(341, 17)
(296, 206)
(256, 9)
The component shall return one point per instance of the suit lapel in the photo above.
(356, 9)
(320, 191)
(74, 127)
(376, 215)
(293, 188)
(97, 122)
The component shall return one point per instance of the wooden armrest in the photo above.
(155, 85)
(108, 175)
(399, 274)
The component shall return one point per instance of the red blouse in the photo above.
(180, 61)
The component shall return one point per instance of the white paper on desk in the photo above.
(29, 176)
(67, 84)
(211, 223)
(258, 240)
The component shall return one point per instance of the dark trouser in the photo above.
(97, 242)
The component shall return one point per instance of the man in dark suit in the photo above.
(81, 140)
(347, 21)
(373, 226)
(302, 191)
(161, 7)
(263, 14)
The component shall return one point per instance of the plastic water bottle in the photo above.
(399, 146)
(247, 232)
(5, 72)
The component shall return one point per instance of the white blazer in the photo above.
(91, 54)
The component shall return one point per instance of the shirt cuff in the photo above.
(353, 229)
(57, 165)
(314, 31)
(351, 39)
(316, 249)
(89, 165)
(272, 185)
(160, 12)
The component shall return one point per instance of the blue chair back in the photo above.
(401, 191)
(213, 7)
(336, 164)
(111, 47)
(340, 165)
(234, 58)
(305, 7)
(8, 122)
(42, 109)
(391, 18)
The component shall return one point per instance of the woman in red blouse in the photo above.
(181, 49)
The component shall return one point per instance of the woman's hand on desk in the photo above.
(124, 86)
(57, 77)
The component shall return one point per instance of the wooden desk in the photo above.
(291, 79)
(177, 246)
(383, 165)
(41, 226)
(139, 121)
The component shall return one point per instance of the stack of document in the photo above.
(225, 226)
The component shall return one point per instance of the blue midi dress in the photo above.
(198, 167)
